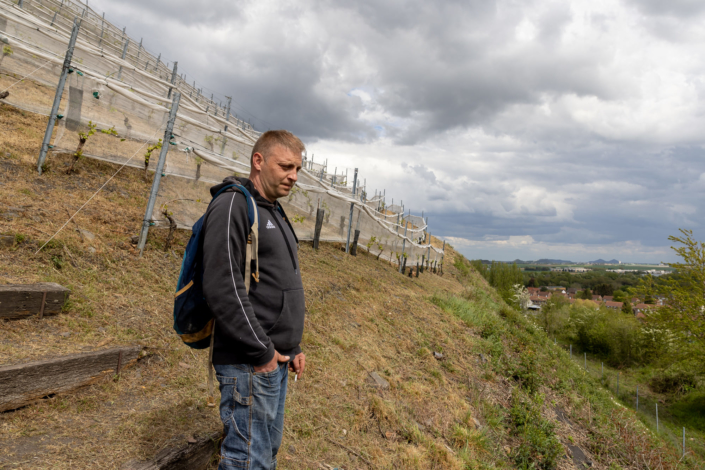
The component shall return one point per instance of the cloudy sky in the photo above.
(524, 129)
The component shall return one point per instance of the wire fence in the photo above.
(116, 102)
(639, 397)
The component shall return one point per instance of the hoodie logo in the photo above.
(270, 224)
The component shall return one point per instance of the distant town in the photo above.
(539, 296)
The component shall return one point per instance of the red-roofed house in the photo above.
(613, 305)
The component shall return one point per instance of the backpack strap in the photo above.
(250, 254)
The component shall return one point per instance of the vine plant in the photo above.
(82, 139)
(148, 155)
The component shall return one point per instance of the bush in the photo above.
(538, 447)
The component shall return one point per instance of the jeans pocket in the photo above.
(236, 415)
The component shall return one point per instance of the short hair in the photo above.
(271, 139)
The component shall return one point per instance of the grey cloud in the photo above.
(678, 8)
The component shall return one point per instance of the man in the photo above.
(257, 334)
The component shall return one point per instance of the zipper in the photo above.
(286, 239)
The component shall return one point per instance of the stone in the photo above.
(7, 241)
(580, 460)
(378, 382)
(91, 250)
(101, 329)
(86, 234)
(65, 335)
(483, 359)
(477, 423)
(135, 240)
(437, 355)
(292, 449)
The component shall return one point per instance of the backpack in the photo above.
(193, 319)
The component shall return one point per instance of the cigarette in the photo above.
(296, 377)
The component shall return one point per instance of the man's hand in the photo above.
(298, 364)
(273, 364)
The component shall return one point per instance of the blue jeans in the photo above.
(252, 411)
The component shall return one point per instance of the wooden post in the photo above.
(320, 213)
(423, 258)
(353, 248)
(417, 269)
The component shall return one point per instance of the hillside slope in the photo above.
(471, 384)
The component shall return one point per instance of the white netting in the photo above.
(128, 100)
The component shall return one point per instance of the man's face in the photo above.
(278, 172)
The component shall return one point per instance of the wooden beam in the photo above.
(24, 300)
(23, 384)
(190, 456)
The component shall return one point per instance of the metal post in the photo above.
(656, 417)
(173, 79)
(403, 243)
(227, 113)
(428, 253)
(585, 357)
(352, 207)
(19, 4)
(225, 140)
(637, 398)
(443, 253)
(159, 60)
(571, 351)
(158, 172)
(139, 50)
(684, 442)
(57, 97)
(102, 29)
(124, 54)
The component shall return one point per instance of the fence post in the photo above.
(19, 4)
(173, 79)
(443, 254)
(423, 259)
(403, 245)
(656, 417)
(320, 213)
(683, 441)
(57, 97)
(352, 208)
(158, 172)
(227, 111)
(571, 351)
(102, 29)
(156, 67)
(585, 354)
(353, 248)
(417, 269)
(124, 54)
(637, 398)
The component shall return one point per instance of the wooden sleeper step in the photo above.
(19, 301)
(23, 384)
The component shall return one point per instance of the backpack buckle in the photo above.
(256, 276)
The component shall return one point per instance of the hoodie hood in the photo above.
(261, 201)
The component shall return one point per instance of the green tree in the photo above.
(604, 289)
(627, 307)
(585, 294)
(684, 312)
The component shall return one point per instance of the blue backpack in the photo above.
(193, 319)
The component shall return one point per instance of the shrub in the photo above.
(538, 447)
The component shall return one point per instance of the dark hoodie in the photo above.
(250, 327)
